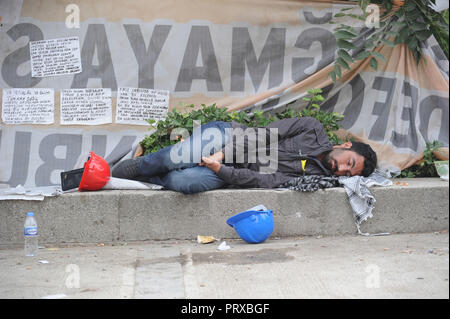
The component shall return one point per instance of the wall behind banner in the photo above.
(238, 54)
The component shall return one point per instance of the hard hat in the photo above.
(96, 173)
(253, 226)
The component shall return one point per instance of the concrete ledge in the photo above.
(117, 215)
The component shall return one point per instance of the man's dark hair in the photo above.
(370, 157)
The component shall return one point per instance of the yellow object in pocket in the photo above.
(303, 165)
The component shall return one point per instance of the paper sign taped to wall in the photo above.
(86, 106)
(136, 105)
(28, 106)
(55, 57)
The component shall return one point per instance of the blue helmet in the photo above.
(253, 226)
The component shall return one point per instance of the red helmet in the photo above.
(96, 173)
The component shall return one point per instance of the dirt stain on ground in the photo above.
(262, 256)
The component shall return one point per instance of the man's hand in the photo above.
(218, 156)
(211, 163)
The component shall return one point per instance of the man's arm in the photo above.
(244, 176)
(285, 128)
(249, 178)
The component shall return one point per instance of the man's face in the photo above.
(343, 162)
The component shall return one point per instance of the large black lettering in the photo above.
(13, 60)
(123, 147)
(353, 109)
(311, 18)
(382, 109)
(96, 39)
(271, 57)
(427, 106)
(442, 60)
(408, 140)
(99, 145)
(72, 143)
(305, 41)
(147, 58)
(199, 42)
(21, 159)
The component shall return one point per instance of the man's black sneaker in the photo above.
(127, 169)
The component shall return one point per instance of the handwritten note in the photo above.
(55, 57)
(136, 105)
(28, 106)
(86, 106)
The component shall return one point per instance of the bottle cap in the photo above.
(30, 214)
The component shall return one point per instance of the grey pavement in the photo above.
(350, 266)
(415, 205)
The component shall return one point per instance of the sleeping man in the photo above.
(220, 154)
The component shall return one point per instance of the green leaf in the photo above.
(413, 43)
(413, 15)
(333, 76)
(338, 15)
(387, 42)
(378, 55)
(363, 4)
(423, 35)
(362, 55)
(400, 24)
(409, 6)
(342, 63)
(345, 44)
(344, 54)
(374, 64)
(402, 35)
(346, 27)
(337, 69)
(418, 26)
(343, 34)
(390, 33)
(369, 44)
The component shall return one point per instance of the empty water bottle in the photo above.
(31, 235)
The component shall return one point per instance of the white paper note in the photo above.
(136, 105)
(28, 106)
(55, 57)
(90, 106)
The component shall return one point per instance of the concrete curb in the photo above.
(126, 215)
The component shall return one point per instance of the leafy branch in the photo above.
(410, 22)
(161, 137)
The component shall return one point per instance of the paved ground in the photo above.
(395, 266)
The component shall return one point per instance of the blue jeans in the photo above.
(176, 167)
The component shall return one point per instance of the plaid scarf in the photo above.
(311, 183)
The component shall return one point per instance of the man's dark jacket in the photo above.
(298, 138)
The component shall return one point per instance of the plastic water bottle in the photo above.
(31, 235)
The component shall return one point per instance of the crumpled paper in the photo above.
(29, 193)
(223, 246)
